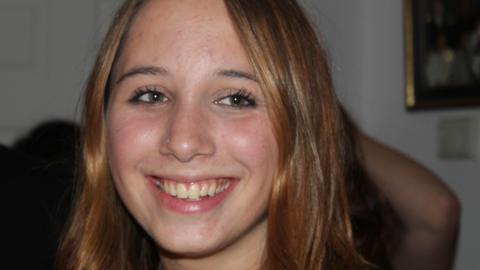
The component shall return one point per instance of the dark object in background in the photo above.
(54, 142)
(34, 203)
(36, 187)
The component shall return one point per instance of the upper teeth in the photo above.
(192, 191)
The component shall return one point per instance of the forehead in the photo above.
(182, 29)
(180, 15)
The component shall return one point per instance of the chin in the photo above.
(185, 248)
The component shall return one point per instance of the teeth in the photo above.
(203, 190)
(182, 191)
(170, 188)
(193, 191)
(212, 189)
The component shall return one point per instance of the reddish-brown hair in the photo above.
(308, 223)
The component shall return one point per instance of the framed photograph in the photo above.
(442, 53)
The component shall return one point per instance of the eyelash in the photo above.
(139, 93)
(243, 96)
(238, 99)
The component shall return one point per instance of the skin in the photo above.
(192, 124)
(430, 212)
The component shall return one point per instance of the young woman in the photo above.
(212, 140)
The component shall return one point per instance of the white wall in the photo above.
(365, 39)
(46, 50)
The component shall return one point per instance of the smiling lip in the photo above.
(194, 196)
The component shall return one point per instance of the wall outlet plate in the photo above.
(458, 138)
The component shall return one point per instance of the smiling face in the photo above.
(190, 144)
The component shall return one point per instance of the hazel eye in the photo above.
(148, 96)
(239, 99)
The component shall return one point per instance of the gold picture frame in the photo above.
(442, 71)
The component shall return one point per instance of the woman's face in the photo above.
(191, 147)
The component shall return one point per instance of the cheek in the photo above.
(252, 142)
(129, 139)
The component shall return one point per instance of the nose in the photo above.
(187, 134)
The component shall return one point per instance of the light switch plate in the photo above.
(458, 138)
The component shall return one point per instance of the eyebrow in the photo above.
(155, 70)
(142, 70)
(231, 73)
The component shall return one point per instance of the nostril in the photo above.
(186, 148)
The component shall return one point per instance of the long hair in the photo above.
(308, 216)
(100, 233)
(308, 222)
(374, 222)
